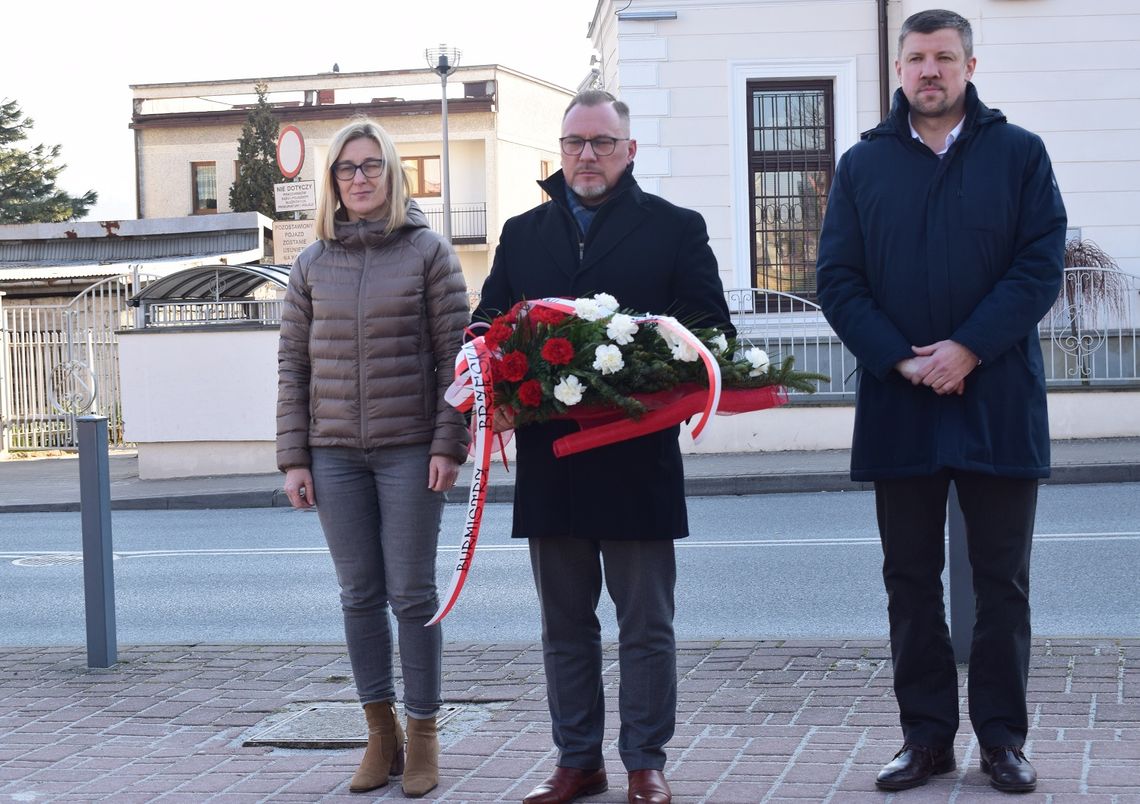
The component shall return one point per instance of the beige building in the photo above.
(741, 109)
(502, 133)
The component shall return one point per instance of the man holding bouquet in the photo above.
(614, 511)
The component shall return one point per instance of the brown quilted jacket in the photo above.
(369, 333)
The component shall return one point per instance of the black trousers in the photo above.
(640, 576)
(999, 514)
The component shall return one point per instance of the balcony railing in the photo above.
(468, 222)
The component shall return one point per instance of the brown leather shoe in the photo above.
(648, 787)
(567, 784)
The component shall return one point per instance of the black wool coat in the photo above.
(653, 257)
(916, 249)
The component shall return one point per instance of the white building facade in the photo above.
(742, 107)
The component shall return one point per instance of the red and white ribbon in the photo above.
(474, 363)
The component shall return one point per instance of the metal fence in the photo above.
(782, 324)
(1090, 337)
(468, 222)
(58, 362)
(206, 313)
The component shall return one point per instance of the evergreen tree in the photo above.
(252, 191)
(27, 176)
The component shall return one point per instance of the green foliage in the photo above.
(27, 176)
(252, 191)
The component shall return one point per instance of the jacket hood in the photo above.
(555, 186)
(897, 123)
(363, 234)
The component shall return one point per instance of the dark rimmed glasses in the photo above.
(601, 146)
(346, 171)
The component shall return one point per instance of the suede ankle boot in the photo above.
(421, 774)
(384, 755)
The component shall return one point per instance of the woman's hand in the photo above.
(299, 487)
(442, 472)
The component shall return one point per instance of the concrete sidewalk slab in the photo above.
(52, 484)
(757, 721)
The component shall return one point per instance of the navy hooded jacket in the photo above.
(917, 249)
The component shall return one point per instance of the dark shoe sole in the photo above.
(1024, 787)
(941, 770)
(590, 791)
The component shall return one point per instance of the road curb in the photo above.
(696, 486)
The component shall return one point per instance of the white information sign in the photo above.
(295, 196)
(290, 238)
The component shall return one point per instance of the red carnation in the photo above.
(512, 315)
(497, 333)
(557, 351)
(514, 366)
(530, 393)
(547, 315)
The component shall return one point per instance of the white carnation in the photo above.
(719, 344)
(608, 359)
(569, 390)
(684, 352)
(606, 302)
(759, 360)
(621, 329)
(589, 310)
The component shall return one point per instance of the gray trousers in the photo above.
(381, 522)
(640, 577)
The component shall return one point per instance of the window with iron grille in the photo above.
(791, 160)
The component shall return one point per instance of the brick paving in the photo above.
(777, 721)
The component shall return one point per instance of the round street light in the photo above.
(442, 61)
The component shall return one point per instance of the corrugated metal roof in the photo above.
(75, 269)
(106, 249)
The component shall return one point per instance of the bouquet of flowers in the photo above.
(617, 374)
(585, 357)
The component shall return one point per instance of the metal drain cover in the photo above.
(49, 560)
(341, 725)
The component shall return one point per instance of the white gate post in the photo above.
(5, 373)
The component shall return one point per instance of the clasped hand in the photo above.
(941, 366)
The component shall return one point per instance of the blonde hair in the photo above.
(393, 176)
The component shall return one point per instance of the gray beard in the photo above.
(589, 191)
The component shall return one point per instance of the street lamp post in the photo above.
(443, 60)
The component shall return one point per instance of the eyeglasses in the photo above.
(601, 146)
(346, 171)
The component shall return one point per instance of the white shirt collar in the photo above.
(953, 135)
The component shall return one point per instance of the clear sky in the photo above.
(70, 64)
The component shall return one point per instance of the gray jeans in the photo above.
(381, 522)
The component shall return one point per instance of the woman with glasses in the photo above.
(373, 318)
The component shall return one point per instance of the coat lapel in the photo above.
(552, 232)
(612, 226)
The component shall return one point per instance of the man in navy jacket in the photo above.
(941, 249)
(611, 512)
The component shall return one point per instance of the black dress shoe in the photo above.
(568, 784)
(1008, 769)
(913, 765)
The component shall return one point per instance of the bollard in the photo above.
(98, 571)
(961, 581)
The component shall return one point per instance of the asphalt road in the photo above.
(767, 566)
